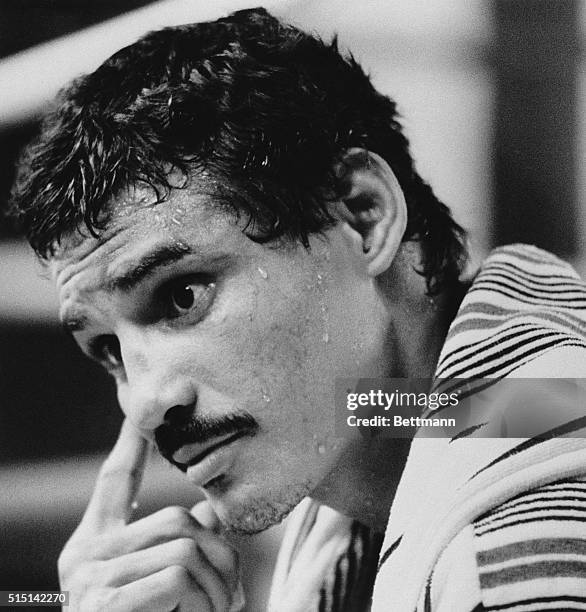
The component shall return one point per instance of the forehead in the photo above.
(186, 219)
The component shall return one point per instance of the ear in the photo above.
(372, 209)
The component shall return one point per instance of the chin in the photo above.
(247, 512)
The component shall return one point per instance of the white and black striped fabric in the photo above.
(523, 303)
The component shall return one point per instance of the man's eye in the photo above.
(190, 297)
(106, 349)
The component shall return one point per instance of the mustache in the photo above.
(192, 429)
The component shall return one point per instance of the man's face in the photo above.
(224, 351)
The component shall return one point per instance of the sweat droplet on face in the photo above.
(265, 396)
(325, 317)
(253, 303)
(321, 449)
(263, 273)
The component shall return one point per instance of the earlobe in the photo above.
(373, 207)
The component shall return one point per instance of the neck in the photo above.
(363, 483)
(365, 479)
(419, 331)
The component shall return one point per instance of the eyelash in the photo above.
(106, 348)
(203, 289)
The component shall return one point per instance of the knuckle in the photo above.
(80, 549)
(106, 573)
(114, 601)
(113, 470)
(226, 560)
(179, 578)
(109, 543)
(87, 577)
(82, 577)
(230, 556)
(187, 549)
(100, 600)
(178, 517)
(91, 591)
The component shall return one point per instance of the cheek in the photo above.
(268, 349)
(282, 344)
(296, 367)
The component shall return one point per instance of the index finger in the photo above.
(203, 513)
(118, 480)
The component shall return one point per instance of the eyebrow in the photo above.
(159, 257)
(148, 264)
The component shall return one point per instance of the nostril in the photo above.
(178, 415)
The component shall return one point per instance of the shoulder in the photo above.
(527, 554)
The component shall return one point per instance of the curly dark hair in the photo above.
(264, 108)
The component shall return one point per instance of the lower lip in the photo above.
(217, 463)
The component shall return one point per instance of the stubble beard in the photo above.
(256, 515)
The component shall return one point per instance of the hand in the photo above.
(165, 562)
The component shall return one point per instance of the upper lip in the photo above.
(190, 454)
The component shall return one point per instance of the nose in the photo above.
(156, 381)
